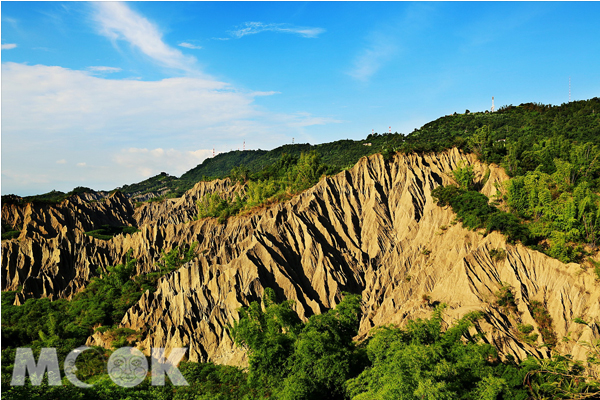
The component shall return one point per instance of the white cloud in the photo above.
(118, 22)
(189, 46)
(104, 69)
(68, 114)
(251, 28)
(54, 99)
(8, 46)
(81, 164)
(148, 163)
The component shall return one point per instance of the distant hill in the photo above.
(338, 155)
(520, 126)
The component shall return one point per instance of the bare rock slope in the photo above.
(374, 230)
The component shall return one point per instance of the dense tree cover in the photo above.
(511, 127)
(422, 361)
(561, 206)
(294, 360)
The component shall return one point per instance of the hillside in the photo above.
(337, 155)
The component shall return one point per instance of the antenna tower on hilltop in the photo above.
(244, 145)
(493, 108)
(390, 129)
(213, 151)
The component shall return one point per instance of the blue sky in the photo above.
(103, 94)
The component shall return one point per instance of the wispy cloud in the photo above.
(307, 119)
(10, 20)
(118, 22)
(252, 28)
(8, 46)
(378, 51)
(104, 69)
(189, 46)
(391, 38)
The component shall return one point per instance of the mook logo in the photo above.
(126, 367)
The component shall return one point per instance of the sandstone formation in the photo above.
(373, 229)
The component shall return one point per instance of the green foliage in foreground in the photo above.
(206, 382)
(423, 362)
(317, 359)
(295, 360)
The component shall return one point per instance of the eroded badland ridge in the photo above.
(374, 229)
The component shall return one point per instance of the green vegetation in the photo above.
(560, 207)
(107, 232)
(544, 321)
(474, 211)
(10, 234)
(291, 359)
(556, 213)
(506, 299)
(552, 155)
(422, 361)
(497, 254)
(53, 197)
(596, 266)
(154, 184)
(67, 324)
(561, 377)
(525, 335)
(280, 181)
(252, 164)
(508, 136)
